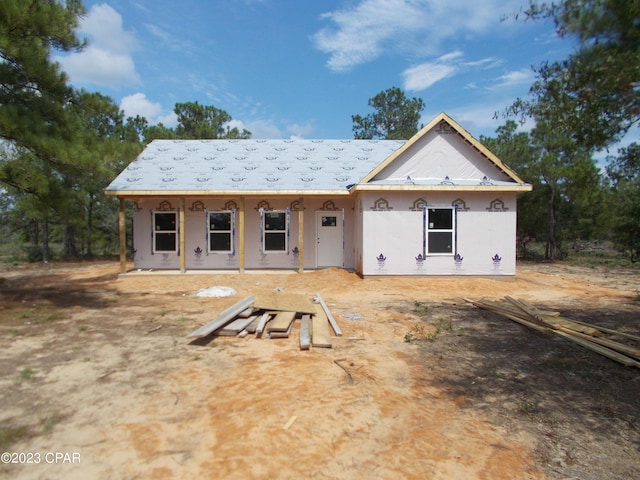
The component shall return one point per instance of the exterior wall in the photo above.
(143, 256)
(393, 231)
(195, 233)
(382, 234)
(440, 153)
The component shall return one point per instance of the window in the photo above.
(275, 229)
(165, 232)
(220, 232)
(440, 226)
(329, 221)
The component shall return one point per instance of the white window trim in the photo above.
(263, 231)
(176, 232)
(451, 230)
(231, 232)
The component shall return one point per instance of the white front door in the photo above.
(329, 239)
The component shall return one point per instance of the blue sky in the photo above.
(301, 68)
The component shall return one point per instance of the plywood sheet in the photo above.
(283, 301)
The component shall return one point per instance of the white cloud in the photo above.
(361, 33)
(170, 41)
(100, 67)
(139, 104)
(372, 28)
(523, 76)
(168, 120)
(485, 63)
(263, 129)
(298, 130)
(423, 76)
(104, 25)
(107, 60)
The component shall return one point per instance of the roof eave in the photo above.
(522, 187)
(223, 193)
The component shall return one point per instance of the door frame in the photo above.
(339, 222)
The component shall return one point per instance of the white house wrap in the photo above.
(437, 204)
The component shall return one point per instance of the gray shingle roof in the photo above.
(252, 165)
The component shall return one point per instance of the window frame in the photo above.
(265, 232)
(452, 231)
(230, 231)
(155, 231)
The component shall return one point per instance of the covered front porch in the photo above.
(189, 233)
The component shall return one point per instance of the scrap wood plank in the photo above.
(559, 322)
(321, 334)
(554, 321)
(261, 324)
(605, 342)
(225, 317)
(511, 313)
(251, 328)
(610, 331)
(282, 334)
(283, 301)
(607, 352)
(247, 313)
(281, 322)
(526, 308)
(236, 326)
(332, 320)
(549, 313)
(305, 332)
(593, 343)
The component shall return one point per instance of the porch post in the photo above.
(182, 235)
(301, 237)
(122, 232)
(241, 233)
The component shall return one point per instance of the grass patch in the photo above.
(419, 331)
(11, 435)
(38, 314)
(27, 374)
(420, 307)
(49, 422)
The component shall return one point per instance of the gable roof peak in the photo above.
(458, 129)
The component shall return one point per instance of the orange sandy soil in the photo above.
(85, 369)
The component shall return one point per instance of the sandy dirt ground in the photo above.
(98, 379)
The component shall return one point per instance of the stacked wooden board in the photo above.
(593, 337)
(274, 314)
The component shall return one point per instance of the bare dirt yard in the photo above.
(98, 379)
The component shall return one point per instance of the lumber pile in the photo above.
(595, 338)
(274, 314)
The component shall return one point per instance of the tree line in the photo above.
(579, 106)
(61, 146)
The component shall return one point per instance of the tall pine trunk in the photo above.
(551, 252)
(69, 237)
(45, 239)
(90, 226)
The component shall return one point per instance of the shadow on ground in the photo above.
(584, 405)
